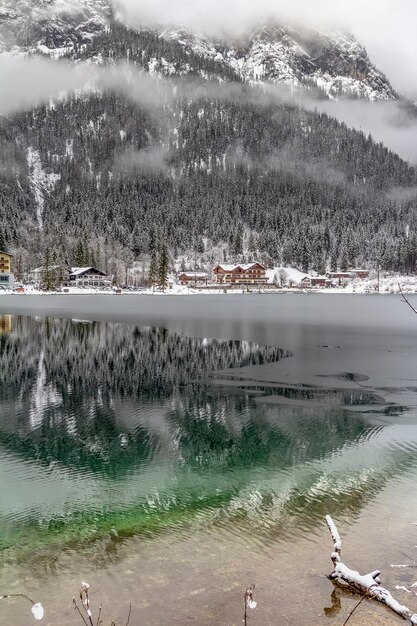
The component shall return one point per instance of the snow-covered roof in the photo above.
(80, 270)
(247, 266)
(243, 266)
(227, 268)
(77, 271)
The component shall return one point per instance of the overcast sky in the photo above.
(386, 27)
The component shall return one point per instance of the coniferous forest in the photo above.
(93, 176)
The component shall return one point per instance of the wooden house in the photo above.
(86, 277)
(241, 274)
(193, 278)
(6, 276)
(315, 282)
(360, 273)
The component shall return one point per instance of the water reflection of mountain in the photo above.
(76, 392)
(122, 428)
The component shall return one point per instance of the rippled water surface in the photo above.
(173, 463)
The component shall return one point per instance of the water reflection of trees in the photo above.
(65, 385)
(112, 399)
(114, 358)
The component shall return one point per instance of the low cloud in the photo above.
(152, 160)
(288, 160)
(27, 83)
(385, 27)
(404, 194)
(387, 122)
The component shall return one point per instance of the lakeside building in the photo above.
(6, 276)
(86, 277)
(318, 282)
(240, 274)
(357, 273)
(193, 278)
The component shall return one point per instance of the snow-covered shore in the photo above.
(388, 284)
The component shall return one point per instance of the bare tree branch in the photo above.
(353, 610)
(130, 613)
(18, 595)
(98, 616)
(406, 300)
(77, 608)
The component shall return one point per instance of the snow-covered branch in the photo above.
(368, 585)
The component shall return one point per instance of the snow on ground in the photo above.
(388, 284)
(285, 276)
(39, 181)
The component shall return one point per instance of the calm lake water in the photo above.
(172, 450)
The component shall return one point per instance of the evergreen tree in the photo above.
(237, 241)
(2, 240)
(343, 258)
(153, 270)
(199, 245)
(305, 258)
(163, 268)
(252, 249)
(321, 265)
(79, 257)
(48, 274)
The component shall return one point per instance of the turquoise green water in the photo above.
(108, 427)
(117, 433)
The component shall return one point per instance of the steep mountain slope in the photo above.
(222, 169)
(50, 26)
(221, 164)
(335, 62)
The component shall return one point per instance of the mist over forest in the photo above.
(134, 139)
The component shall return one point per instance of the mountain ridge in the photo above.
(334, 61)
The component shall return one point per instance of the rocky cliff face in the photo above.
(334, 62)
(50, 26)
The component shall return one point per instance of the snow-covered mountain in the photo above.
(50, 26)
(102, 168)
(334, 62)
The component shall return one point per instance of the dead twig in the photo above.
(18, 595)
(85, 600)
(98, 616)
(87, 615)
(130, 613)
(406, 300)
(353, 610)
(249, 602)
(37, 608)
(77, 608)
